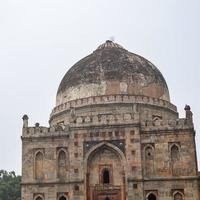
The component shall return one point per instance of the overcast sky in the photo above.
(41, 39)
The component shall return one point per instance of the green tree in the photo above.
(9, 186)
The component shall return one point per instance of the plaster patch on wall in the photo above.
(82, 91)
(123, 87)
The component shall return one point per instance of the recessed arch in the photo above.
(62, 198)
(151, 196)
(108, 162)
(149, 160)
(175, 153)
(39, 197)
(106, 145)
(62, 150)
(62, 154)
(175, 159)
(156, 118)
(39, 165)
(62, 160)
(178, 196)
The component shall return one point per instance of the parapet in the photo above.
(81, 121)
(167, 125)
(111, 99)
(35, 132)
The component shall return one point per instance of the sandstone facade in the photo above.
(113, 135)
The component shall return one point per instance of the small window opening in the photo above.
(106, 177)
(135, 186)
(76, 188)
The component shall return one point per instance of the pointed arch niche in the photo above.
(151, 196)
(39, 165)
(39, 197)
(62, 197)
(104, 165)
(62, 163)
(149, 160)
(178, 196)
(175, 159)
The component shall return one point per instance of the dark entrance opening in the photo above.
(62, 198)
(151, 197)
(106, 178)
(107, 198)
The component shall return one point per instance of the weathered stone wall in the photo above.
(115, 104)
(79, 140)
(113, 113)
(112, 70)
(162, 143)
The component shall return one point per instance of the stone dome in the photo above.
(112, 70)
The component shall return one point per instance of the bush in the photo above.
(10, 188)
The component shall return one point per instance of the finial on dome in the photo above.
(109, 44)
(109, 41)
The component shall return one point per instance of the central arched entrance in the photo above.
(105, 174)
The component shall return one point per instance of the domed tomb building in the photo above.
(113, 135)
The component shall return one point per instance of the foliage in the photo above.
(9, 186)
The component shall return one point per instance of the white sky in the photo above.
(41, 39)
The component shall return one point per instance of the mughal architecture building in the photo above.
(113, 135)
